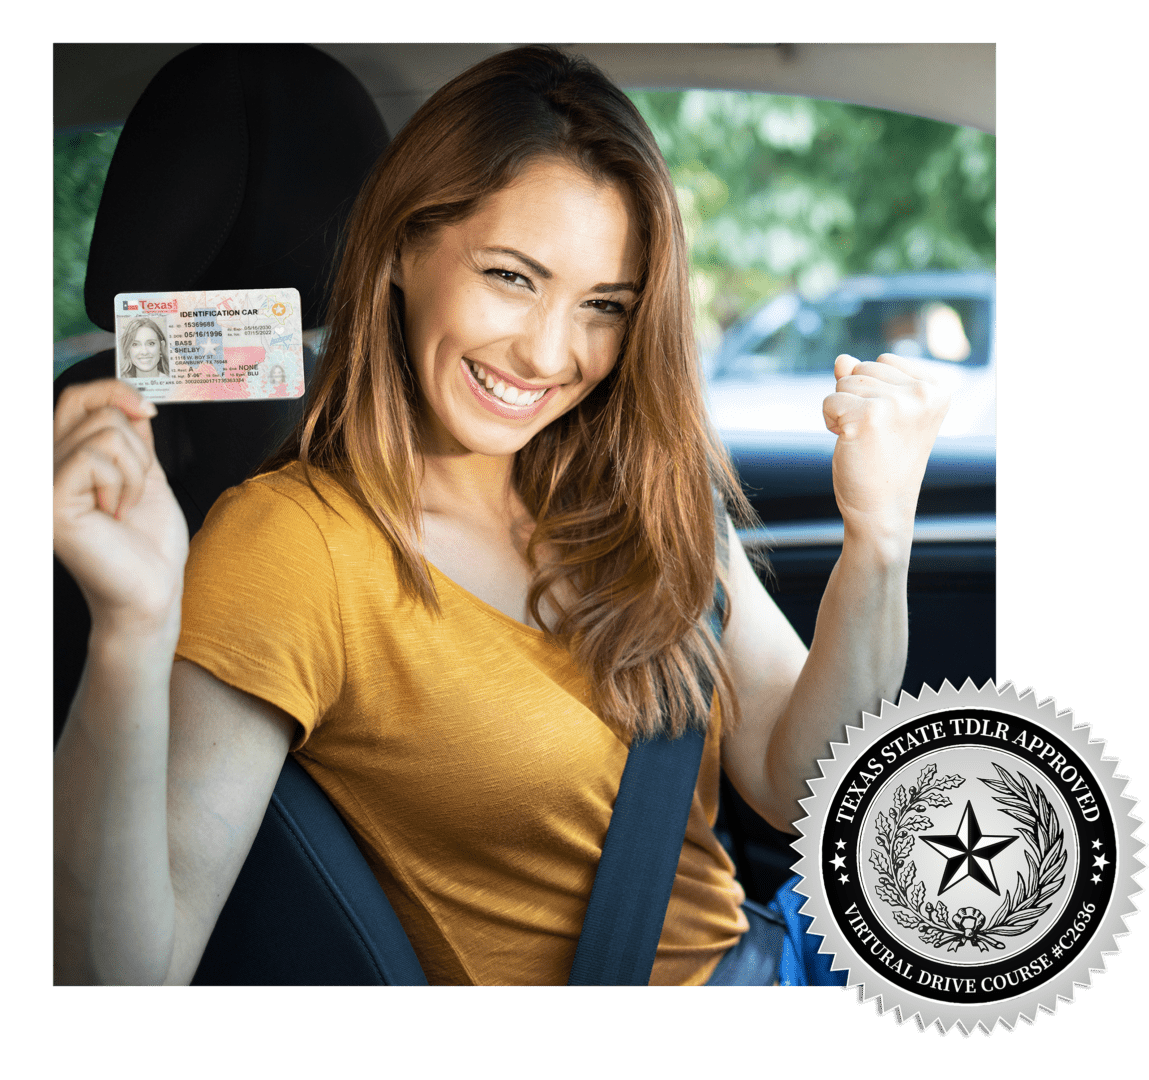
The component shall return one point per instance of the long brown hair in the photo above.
(621, 486)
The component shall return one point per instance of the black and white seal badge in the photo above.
(968, 856)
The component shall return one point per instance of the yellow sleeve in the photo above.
(261, 606)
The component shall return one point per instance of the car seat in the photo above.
(237, 168)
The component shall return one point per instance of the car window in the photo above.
(817, 228)
(80, 161)
(935, 329)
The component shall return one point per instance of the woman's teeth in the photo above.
(511, 395)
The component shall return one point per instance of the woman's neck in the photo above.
(469, 486)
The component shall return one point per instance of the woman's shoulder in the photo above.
(315, 492)
(287, 508)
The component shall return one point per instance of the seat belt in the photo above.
(640, 855)
(643, 844)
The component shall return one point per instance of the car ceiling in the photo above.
(96, 85)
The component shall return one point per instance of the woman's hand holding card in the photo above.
(116, 525)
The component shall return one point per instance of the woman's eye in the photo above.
(608, 307)
(511, 277)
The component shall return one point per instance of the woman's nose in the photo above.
(544, 347)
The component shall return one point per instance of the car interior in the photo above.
(262, 200)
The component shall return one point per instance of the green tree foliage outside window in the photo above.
(785, 192)
(80, 164)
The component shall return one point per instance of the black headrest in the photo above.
(236, 169)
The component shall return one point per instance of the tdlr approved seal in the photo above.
(968, 856)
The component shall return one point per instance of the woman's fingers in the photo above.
(847, 413)
(82, 398)
(116, 526)
(887, 370)
(116, 448)
(109, 435)
(910, 383)
(889, 367)
(886, 415)
(105, 466)
(906, 365)
(100, 474)
(862, 386)
(100, 427)
(92, 424)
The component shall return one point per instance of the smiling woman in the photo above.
(477, 572)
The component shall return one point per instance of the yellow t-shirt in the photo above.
(461, 750)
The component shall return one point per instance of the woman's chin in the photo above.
(466, 429)
(478, 437)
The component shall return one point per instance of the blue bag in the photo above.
(802, 964)
(778, 949)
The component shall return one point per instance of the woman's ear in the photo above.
(397, 270)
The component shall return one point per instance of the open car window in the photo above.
(818, 228)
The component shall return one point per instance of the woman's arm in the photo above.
(886, 415)
(152, 819)
(152, 831)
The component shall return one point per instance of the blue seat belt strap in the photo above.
(640, 854)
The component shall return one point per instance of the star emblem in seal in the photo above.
(969, 853)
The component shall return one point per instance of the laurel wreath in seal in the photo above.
(1019, 911)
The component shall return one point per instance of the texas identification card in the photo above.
(211, 345)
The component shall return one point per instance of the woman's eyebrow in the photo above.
(546, 275)
(537, 267)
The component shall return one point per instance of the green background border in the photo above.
(1069, 575)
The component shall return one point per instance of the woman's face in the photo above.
(515, 314)
(144, 350)
(275, 376)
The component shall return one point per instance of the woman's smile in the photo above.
(503, 395)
